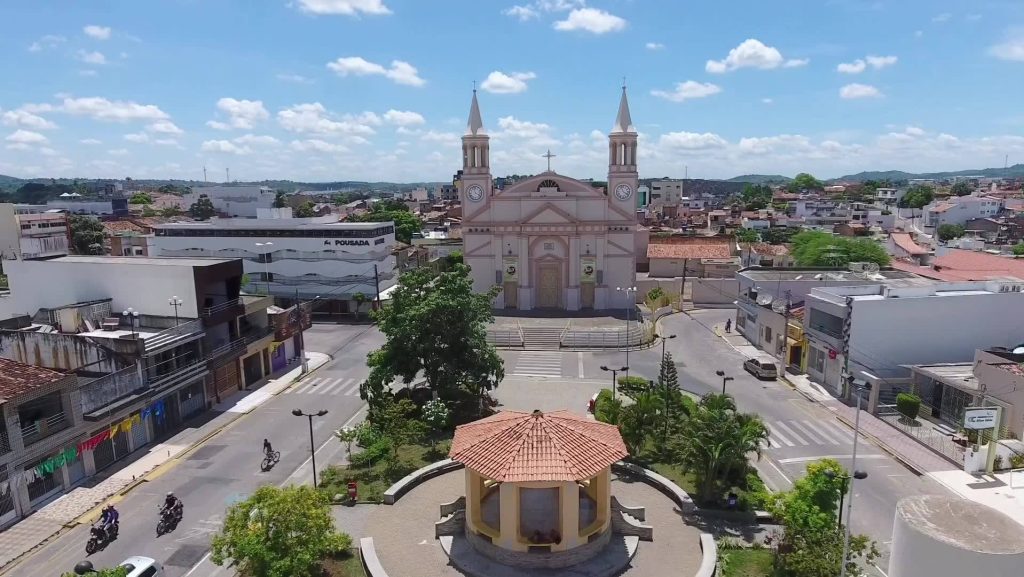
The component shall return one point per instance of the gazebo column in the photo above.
(602, 484)
(570, 503)
(509, 499)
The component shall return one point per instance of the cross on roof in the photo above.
(549, 156)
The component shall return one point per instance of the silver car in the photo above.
(142, 567)
(761, 369)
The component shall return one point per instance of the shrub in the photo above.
(370, 455)
(1016, 461)
(908, 404)
(366, 435)
(997, 463)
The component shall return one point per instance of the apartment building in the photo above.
(959, 210)
(32, 231)
(242, 201)
(294, 259)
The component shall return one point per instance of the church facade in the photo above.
(550, 241)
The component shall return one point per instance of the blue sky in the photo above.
(380, 89)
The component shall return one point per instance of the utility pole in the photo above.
(682, 283)
(376, 282)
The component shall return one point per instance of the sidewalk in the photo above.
(68, 509)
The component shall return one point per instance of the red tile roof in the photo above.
(518, 447)
(943, 207)
(763, 248)
(906, 242)
(694, 247)
(971, 265)
(18, 378)
(113, 227)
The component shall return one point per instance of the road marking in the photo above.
(331, 439)
(779, 471)
(352, 389)
(780, 439)
(303, 385)
(579, 358)
(334, 387)
(819, 457)
(814, 433)
(790, 432)
(196, 566)
(825, 431)
(877, 568)
(843, 432)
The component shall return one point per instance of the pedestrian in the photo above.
(728, 325)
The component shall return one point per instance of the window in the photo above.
(816, 360)
(148, 572)
(768, 335)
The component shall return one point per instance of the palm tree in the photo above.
(639, 419)
(715, 441)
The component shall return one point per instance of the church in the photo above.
(551, 242)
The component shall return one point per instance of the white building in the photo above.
(959, 210)
(889, 196)
(293, 258)
(237, 201)
(667, 192)
(872, 332)
(28, 232)
(551, 241)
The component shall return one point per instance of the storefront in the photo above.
(252, 368)
(191, 400)
(7, 511)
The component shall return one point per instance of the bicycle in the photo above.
(269, 460)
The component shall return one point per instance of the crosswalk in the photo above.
(338, 386)
(538, 364)
(804, 433)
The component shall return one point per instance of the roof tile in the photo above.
(18, 378)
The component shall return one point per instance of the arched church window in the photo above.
(548, 184)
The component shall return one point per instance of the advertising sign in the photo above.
(980, 417)
(510, 269)
(588, 269)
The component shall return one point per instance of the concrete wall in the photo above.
(713, 292)
(55, 351)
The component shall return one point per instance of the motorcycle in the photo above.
(99, 538)
(169, 519)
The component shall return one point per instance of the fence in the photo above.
(505, 338)
(925, 434)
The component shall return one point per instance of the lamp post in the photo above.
(630, 293)
(302, 333)
(614, 372)
(853, 465)
(132, 315)
(175, 302)
(725, 379)
(663, 339)
(266, 259)
(842, 492)
(312, 447)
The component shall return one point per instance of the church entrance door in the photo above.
(511, 292)
(549, 286)
(586, 295)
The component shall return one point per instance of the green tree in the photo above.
(714, 442)
(817, 248)
(453, 259)
(202, 208)
(305, 210)
(147, 211)
(436, 416)
(756, 196)
(1018, 249)
(639, 419)
(918, 196)
(960, 188)
(804, 181)
(170, 211)
(947, 232)
(279, 532)
(359, 298)
(607, 408)
(779, 234)
(280, 200)
(747, 235)
(632, 386)
(112, 572)
(349, 435)
(87, 234)
(437, 326)
(140, 198)
(406, 223)
(395, 420)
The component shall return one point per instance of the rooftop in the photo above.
(519, 447)
(140, 260)
(960, 375)
(315, 223)
(17, 378)
(764, 248)
(695, 247)
(958, 264)
(820, 274)
(906, 242)
(963, 524)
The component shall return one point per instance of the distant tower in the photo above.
(476, 162)
(622, 172)
(227, 175)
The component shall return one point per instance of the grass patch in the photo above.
(347, 565)
(373, 479)
(746, 563)
(687, 482)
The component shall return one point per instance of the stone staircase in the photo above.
(542, 338)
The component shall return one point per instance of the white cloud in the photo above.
(512, 126)
(1011, 50)
(591, 20)
(367, 117)
(918, 33)
(972, 17)
(654, 46)
(27, 119)
(258, 140)
(224, 146)
(241, 113)
(138, 137)
(99, 108)
(688, 90)
(167, 142)
(91, 57)
(97, 32)
(26, 137)
(752, 53)
(861, 64)
(796, 62)
(165, 127)
(856, 90)
(294, 78)
(692, 141)
(18, 146)
(345, 7)
(914, 131)
(313, 118)
(767, 101)
(404, 117)
(498, 82)
(87, 72)
(770, 144)
(90, 141)
(855, 67)
(943, 17)
(523, 13)
(316, 145)
(879, 62)
(47, 151)
(48, 42)
(118, 152)
(400, 72)
(442, 137)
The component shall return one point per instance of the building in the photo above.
(702, 256)
(667, 192)
(901, 245)
(889, 196)
(870, 333)
(550, 241)
(26, 232)
(447, 192)
(762, 254)
(954, 265)
(959, 210)
(294, 258)
(242, 201)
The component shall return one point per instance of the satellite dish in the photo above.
(779, 306)
(1019, 350)
(765, 300)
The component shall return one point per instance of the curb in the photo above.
(885, 447)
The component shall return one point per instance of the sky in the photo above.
(379, 90)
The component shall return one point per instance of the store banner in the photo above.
(588, 269)
(510, 269)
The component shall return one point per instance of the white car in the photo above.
(142, 567)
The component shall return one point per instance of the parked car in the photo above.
(142, 567)
(761, 369)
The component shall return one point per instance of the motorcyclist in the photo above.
(267, 449)
(108, 519)
(172, 505)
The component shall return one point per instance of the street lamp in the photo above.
(132, 315)
(725, 379)
(312, 448)
(175, 302)
(663, 339)
(266, 259)
(853, 465)
(630, 293)
(614, 380)
(845, 477)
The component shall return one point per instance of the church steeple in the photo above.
(476, 147)
(475, 126)
(623, 122)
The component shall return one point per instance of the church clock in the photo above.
(623, 191)
(475, 193)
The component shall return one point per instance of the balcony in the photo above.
(43, 428)
(178, 376)
(219, 308)
(172, 337)
(827, 330)
(233, 349)
(256, 303)
(222, 312)
(257, 334)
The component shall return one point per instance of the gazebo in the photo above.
(538, 486)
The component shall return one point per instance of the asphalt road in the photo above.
(226, 468)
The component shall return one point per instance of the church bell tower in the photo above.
(476, 162)
(622, 173)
